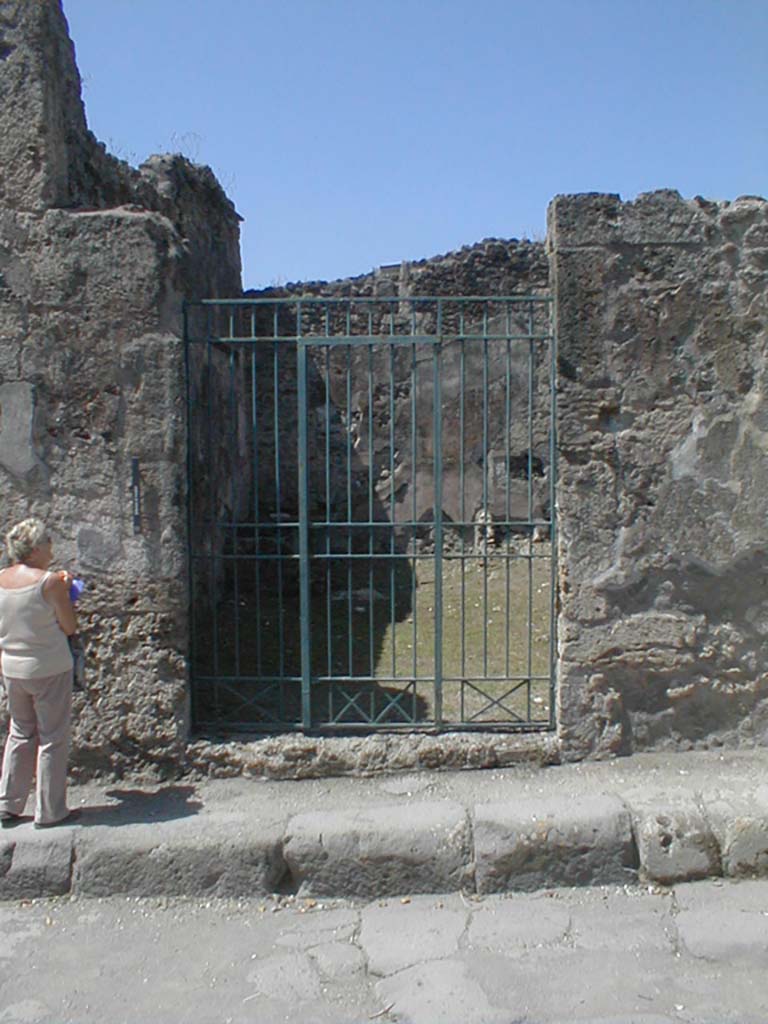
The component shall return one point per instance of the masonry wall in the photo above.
(493, 267)
(662, 321)
(96, 259)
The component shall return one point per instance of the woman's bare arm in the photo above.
(56, 593)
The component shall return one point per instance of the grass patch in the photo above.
(373, 636)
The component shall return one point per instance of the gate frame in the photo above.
(303, 343)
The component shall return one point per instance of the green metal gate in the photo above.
(371, 513)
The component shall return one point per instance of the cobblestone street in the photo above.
(696, 953)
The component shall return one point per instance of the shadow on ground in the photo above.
(138, 807)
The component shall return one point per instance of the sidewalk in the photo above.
(654, 817)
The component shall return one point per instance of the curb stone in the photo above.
(657, 818)
(187, 867)
(741, 830)
(39, 866)
(531, 844)
(379, 852)
(676, 843)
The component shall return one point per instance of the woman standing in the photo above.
(36, 617)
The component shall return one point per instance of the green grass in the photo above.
(385, 632)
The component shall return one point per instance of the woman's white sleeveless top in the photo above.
(33, 643)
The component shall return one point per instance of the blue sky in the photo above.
(352, 133)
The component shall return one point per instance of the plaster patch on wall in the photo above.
(17, 413)
(684, 456)
(96, 549)
(706, 453)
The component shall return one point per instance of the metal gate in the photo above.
(371, 513)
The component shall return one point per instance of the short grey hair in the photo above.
(22, 539)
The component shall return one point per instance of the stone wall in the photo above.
(96, 259)
(661, 315)
(662, 320)
(494, 267)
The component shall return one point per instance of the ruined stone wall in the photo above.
(96, 259)
(493, 267)
(662, 319)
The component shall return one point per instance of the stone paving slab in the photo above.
(422, 934)
(609, 955)
(659, 818)
(730, 923)
(516, 926)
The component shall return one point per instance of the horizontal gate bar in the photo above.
(343, 556)
(361, 339)
(380, 524)
(307, 340)
(368, 680)
(393, 300)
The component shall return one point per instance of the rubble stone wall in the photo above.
(662, 322)
(494, 267)
(96, 259)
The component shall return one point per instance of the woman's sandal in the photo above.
(66, 820)
(8, 820)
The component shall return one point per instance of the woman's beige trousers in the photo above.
(38, 741)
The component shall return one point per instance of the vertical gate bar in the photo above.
(328, 602)
(304, 624)
(552, 512)
(463, 559)
(392, 513)
(484, 561)
(349, 498)
(437, 402)
(278, 507)
(235, 511)
(212, 508)
(507, 505)
(370, 500)
(414, 582)
(256, 509)
(191, 524)
(510, 550)
(531, 356)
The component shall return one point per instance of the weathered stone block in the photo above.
(676, 844)
(146, 861)
(6, 856)
(527, 844)
(385, 851)
(40, 865)
(741, 826)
